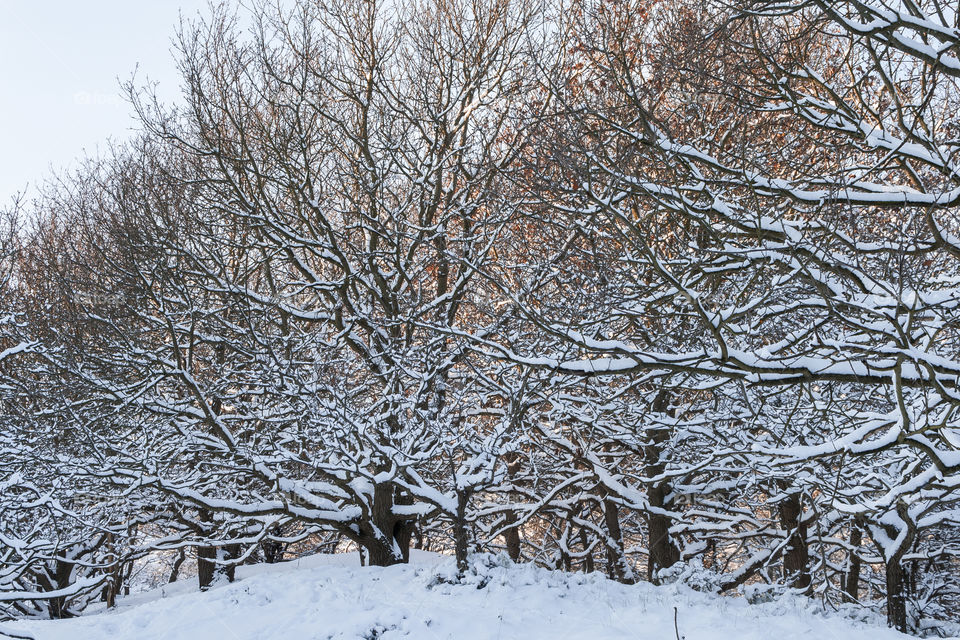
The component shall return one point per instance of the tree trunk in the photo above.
(512, 534)
(561, 529)
(895, 574)
(206, 568)
(112, 588)
(272, 551)
(63, 572)
(588, 565)
(796, 555)
(663, 553)
(896, 599)
(420, 540)
(175, 571)
(209, 570)
(381, 553)
(617, 567)
(851, 585)
(403, 529)
(109, 595)
(381, 545)
(460, 533)
(512, 537)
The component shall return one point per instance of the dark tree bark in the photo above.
(663, 553)
(177, 564)
(896, 575)
(420, 540)
(796, 556)
(563, 560)
(512, 537)
(209, 570)
(460, 533)
(63, 571)
(616, 561)
(380, 542)
(588, 564)
(512, 533)
(851, 586)
(896, 598)
(112, 588)
(403, 529)
(206, 566)
(273, 549)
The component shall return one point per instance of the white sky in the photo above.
(61, 64)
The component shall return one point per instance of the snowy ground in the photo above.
(331, 597)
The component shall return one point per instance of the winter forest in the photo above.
(667, 290)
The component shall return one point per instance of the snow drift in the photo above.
(332, 598)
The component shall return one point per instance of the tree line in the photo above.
(660, 288)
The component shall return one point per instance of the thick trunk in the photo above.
(896, 599)
(851, 585)
(403, 529)
(381, 544)
(460, 533)
(896, 579)
(206, 566)
(63, 571)
(796, 555)
(273, 550)
(109, 594)
(210, 571)
(617, 567)
(512, 534)
(512, 537)
(380, 554)
(663, 553)
(588, 565)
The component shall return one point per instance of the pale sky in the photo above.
(61, 64)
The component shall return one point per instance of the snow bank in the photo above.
(332, 598)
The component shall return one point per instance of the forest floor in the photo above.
(332, 597)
